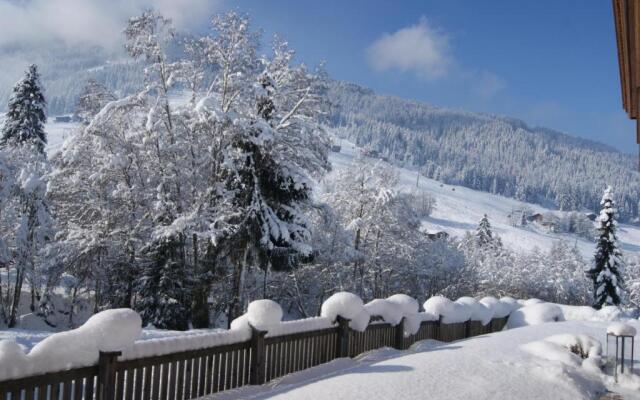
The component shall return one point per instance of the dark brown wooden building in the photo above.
(627, 19)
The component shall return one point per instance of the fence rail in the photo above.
(195, 373)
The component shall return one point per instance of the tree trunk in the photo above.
(16, 298)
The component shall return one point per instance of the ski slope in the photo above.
(459, 209)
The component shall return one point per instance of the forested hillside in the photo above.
(485, 152)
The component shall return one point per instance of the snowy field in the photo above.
(458, 210)
(494, 366)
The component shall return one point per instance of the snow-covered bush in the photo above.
(534, 315)
(573, 350)
(348, 306)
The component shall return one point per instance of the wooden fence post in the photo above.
(107, 375)
(439, 329)
(258, 352)
(342, 344)
(467, 329)
(399, 335)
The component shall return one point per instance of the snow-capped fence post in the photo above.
(399, 335)
(258, 350)
(107, 374)
(342, 344)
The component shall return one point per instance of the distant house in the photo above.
(63, 118)
(438, 235)
(370, 153)
(537, 217)
(591, 216)
(336, 148)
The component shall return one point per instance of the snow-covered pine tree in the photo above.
(25, 117)
(607, 272)
(484, 236)
(26, 219)
(93, 97)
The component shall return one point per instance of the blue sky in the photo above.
(550, 63)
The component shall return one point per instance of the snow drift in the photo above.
(534, 315)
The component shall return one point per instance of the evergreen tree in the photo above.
(27, 224)
(26, 118)
(484, 236)
(164, 287)
(607, 272)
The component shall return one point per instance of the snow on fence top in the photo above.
(621, 329)
(109, 330)
(120, 329)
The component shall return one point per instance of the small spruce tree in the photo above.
(484, 236)
(25, 116)
(607, 271)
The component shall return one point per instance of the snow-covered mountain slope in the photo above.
(459, 209)
(487, 152)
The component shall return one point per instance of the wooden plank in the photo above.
(89, 388)
(208, 378)
(216, 374)
(149, 373)
(78, 386)
(180, 379)
(161, 393)
(202, 373)
(172, 381)
(128, 390)
(188, 378)
(137, 384)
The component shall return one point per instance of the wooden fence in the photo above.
(190, 374)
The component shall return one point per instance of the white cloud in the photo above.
(418, 48)
(96, 22)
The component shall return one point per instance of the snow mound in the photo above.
(390, 312)
(586, 313)
(408, 305)
(349, 306)
(499, 308)
(409, 308)
(479, 312)
(262, 314)
(512, 303)
(621, 329)
(450, 312)
(530, 302)
(534, 315)
(110, 330)
(13, 360)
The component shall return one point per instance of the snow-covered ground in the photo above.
(494, 366)
(459, 209)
